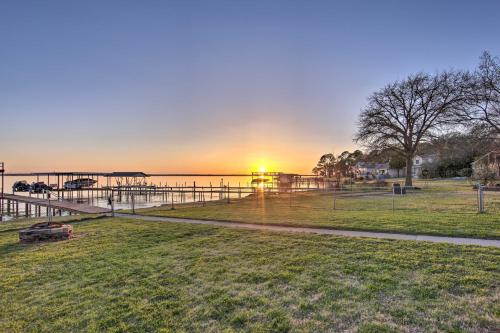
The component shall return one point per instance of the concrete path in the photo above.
(347, 233)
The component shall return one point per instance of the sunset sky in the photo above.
(212, 86)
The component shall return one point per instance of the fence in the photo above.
(455, 198)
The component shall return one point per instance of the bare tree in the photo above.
(483, 96)
(406, 113)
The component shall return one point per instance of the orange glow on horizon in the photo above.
(232, 159)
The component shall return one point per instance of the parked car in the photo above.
(39, 187)
(21, 186)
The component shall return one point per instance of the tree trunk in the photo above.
(409, 165)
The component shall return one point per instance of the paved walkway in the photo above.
(347, 233)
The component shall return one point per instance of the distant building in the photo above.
(373, 170)
(487, 164)
(420, 162)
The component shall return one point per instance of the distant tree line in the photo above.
(453, 153)
(404, 115)
(341, 166)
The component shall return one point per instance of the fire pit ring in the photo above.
(46, 231)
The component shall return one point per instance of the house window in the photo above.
(417, 162)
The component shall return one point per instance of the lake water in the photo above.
(143, 200)
(140, 200)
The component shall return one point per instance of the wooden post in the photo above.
(172, 195)
(480, 199)
(133, 203)
(221, 187)
(393, 195)
(111, 202)
(334, 198)
(2, 171)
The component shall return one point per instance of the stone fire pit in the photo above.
(45, 231)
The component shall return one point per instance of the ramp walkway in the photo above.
(56, 204)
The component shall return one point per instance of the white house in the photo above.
(419, 163)
(373, 170)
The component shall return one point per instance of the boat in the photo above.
(21, 186)
(39, 187)
(79, 183)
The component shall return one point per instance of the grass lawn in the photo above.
(441, 208)
(122, 275)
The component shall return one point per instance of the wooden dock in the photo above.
(67, 206)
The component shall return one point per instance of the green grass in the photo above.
(441, 208)
(122, 275)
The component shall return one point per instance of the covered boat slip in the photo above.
(77, 180)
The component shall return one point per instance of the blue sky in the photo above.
(212, 86)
